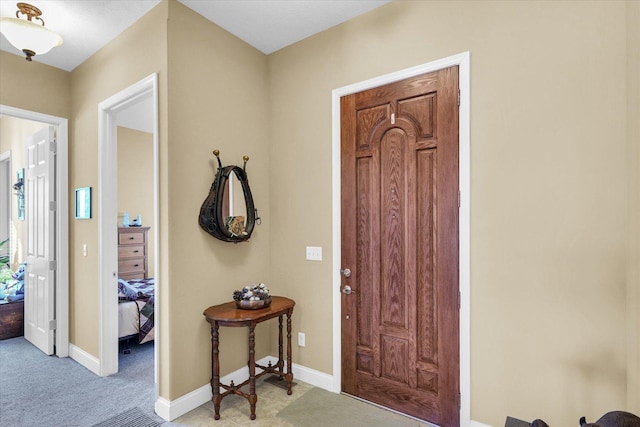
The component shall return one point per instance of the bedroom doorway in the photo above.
(59, 205)
(5, 200)
(115, 114)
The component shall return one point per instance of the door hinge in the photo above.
(53, 265)
(458, 97)
(53, 206)
(459, 200)
(53, 146)
(459, 300)
(53, 325)
(459, 401)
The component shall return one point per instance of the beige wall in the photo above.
(218, 94)
(34, 86)
(555, 155)
(633, 138)
(549, 178)
(135, 182)
(13, 134)
(136, 53)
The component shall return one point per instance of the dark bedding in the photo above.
(141, 291)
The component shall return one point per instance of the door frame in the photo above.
(107, 221)
(462, 60)
(5, 192)
(62, 220)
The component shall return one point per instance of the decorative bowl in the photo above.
(253, 305)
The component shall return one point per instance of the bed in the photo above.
(135, 309)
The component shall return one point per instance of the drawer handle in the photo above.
(136, 265)
(132, 238)
(136, 251)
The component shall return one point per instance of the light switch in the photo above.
(84, 250)
(314, 253)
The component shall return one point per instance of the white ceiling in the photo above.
(268, 25)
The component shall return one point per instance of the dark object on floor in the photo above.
(614, 419)
(134, 417)
(514, 422)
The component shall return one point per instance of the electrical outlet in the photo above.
(314, 253)
(300, 339)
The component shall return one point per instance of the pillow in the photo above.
(5, 275)
(125, 291)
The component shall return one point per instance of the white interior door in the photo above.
(39, 289)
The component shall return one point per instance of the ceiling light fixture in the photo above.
(30, 37)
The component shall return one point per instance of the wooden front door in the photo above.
(400, 301)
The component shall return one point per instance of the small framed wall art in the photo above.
(83, 203)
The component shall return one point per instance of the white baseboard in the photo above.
(313, 377)
(170, 410)
(87, 360)
(478, 424)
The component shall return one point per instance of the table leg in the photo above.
(280, 358)
(289, 376)
(253, 398)
(215, 368)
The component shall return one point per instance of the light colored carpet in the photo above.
(320, 408)
(46, 391)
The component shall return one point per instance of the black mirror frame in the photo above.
(211, 218)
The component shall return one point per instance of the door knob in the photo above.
(346, 272)
(346, 290)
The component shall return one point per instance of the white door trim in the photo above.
(464, 63)
(6, 193)
(62, 220)
(108, 219)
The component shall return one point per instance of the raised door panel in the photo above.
(40, 239)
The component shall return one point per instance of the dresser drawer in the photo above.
(131, 265)
(131, 238)
(130, 251)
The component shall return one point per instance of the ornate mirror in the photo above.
(228, 212)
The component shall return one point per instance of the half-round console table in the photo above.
(228, 315)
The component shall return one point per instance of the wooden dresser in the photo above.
(11, 319)
(132, 252)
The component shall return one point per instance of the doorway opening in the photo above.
(463, 62)
(5, 204)
(61, 222)
(111, 113)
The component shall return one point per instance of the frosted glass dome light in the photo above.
(30, 37)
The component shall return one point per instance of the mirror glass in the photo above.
(234, 206)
